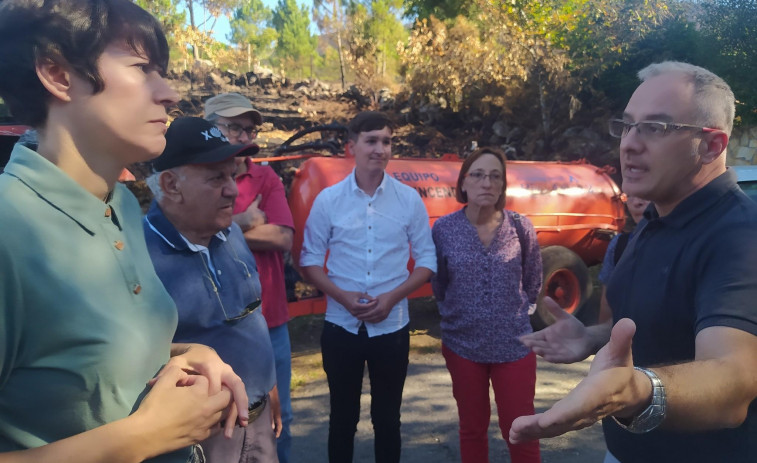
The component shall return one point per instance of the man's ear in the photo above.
(169, 184)
(55, 77)
(712, 146)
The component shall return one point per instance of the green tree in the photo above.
(375, 32)
(250, 28)
(295, 46)
(331, 18)
(199, 33)
(440, 9)
(729, 48)
(677, 39)
(173, 21)
(165, 11)
(520, 51)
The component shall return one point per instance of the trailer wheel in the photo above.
(566, 280)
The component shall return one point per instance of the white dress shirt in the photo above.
(369, 240)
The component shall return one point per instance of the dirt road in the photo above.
(429, 413)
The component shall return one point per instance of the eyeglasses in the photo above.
(236, 130)
(478, 177)
(250, 308)
(651, 129)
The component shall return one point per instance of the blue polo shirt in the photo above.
(211, 287)
(84, 320)
(690, 270)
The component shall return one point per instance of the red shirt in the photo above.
(262, 180)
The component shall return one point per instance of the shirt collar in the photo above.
(353, 183)
(61, 191)
(160, 225)
(249, 170)
(696, 203)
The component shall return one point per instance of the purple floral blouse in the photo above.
(483, 293)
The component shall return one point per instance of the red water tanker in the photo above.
(576, 208)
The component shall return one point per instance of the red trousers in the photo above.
(513, 384)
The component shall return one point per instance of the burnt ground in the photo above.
(288, 107)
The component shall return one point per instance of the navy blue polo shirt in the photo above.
(211, 288)
(690, 270)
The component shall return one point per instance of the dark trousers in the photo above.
(344, 358)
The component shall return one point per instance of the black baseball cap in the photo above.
(193, 140)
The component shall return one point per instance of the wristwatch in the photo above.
(653, 415)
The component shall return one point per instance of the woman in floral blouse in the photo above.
(489, 273)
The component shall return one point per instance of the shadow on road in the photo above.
(429, 412)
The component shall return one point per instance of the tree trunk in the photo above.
(341, 57)
(544, 106)
(195, 49)
(337, 21)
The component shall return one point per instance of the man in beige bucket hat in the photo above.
(261, 210)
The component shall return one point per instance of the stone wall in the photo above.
(742, 148)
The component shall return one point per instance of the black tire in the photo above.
(565, 279)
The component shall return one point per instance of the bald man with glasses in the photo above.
(684, 292)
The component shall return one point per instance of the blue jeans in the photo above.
(344, 358)
(282, 352)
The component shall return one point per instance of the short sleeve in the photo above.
(727, 281)
(274, 202)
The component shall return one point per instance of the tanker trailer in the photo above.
(576, 208)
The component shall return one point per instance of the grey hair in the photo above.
(212, 118)
(153, 181)
(714, 99)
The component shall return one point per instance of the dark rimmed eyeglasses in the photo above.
(236, 130)
(652, 129)
(251, 307)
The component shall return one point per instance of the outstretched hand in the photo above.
(564, 341)
(609, 389)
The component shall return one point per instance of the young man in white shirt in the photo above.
(370, 224)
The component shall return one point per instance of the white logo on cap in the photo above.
(213, 133)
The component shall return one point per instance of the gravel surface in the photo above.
(429, 413)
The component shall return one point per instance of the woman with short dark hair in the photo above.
(88, 372)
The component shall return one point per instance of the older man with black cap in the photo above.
(261, 210)
(202, 259)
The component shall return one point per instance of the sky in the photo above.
(221, 29)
